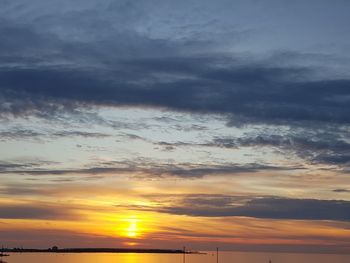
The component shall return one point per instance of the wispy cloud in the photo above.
(23, 134)
(341, 190)
(36, 211)
(153, 170)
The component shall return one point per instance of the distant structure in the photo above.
(54, 248)
(2, 254)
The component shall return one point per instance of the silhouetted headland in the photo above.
(97, 250)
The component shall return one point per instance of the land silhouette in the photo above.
(55, 249)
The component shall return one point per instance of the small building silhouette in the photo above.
(54, 248)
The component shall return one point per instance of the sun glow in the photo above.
(134, 226)
(131, 228)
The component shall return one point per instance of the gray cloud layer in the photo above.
(117, 54)
(314, 146)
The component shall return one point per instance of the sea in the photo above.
(209, 257)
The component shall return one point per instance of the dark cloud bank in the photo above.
(251, 93)
(205, 206)
(257, 207)
(43, 73)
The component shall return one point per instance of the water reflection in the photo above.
(225, 257)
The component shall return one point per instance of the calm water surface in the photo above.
(225, 257)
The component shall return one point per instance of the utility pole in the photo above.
(217, 255)
(184, 255)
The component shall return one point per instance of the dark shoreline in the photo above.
(98, 250)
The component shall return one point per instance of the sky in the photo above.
(163, 124)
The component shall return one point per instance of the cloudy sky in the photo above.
(166, 123)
